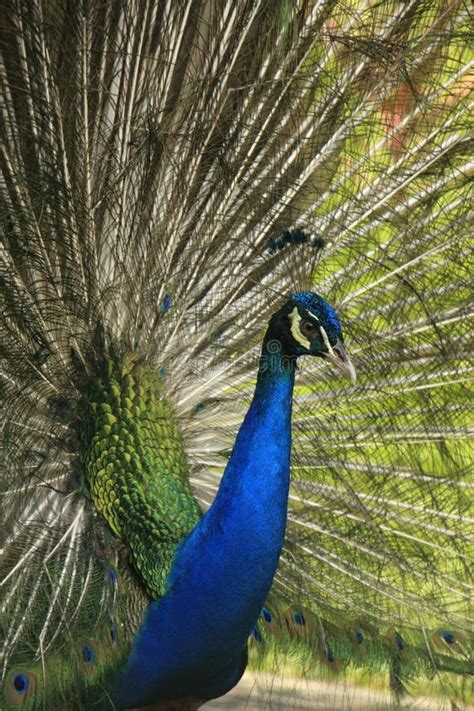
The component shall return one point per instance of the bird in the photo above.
(213, 214)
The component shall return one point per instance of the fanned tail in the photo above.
(154, 157)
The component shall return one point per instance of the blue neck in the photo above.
(256, 479)
(248, 516)
(223, 571)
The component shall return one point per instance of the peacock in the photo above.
(213, 213)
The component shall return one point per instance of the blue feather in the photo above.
(192, 640)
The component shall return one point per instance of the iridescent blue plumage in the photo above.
(192, 642)
(322, 310)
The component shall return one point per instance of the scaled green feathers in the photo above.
(136, 468)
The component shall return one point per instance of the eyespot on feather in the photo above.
(113, 634)
(87, 657)
(327, 656)
(398, 643)
(449, 641)
(301, 623)
(20, 687)
(270, 621)
(359, 638)
(257, 635)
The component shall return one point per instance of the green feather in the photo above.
(136, 470)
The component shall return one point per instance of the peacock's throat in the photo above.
(132, 452)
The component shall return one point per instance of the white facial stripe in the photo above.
(295, 320)
(310, 315)
(326, 340)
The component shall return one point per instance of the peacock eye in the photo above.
(309, 328)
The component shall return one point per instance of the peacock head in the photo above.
(308, 325)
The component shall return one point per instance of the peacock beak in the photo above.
(340, 358)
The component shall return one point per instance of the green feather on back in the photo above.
(136, 469)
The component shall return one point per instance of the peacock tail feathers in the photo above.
(339, 648)
(170, 172)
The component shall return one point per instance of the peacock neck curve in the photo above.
(248, 516)
(223, 570)
(259, 466)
